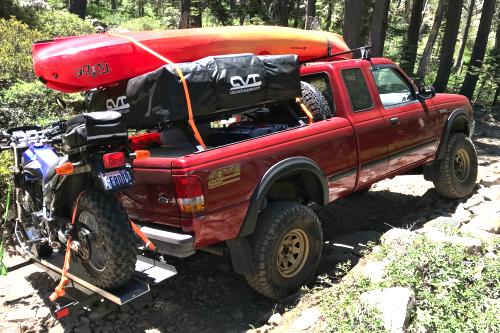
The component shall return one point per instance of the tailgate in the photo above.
(152, 197)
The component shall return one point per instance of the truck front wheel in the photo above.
(456, 172)
(286, 248)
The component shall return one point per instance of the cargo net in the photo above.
(211, 85)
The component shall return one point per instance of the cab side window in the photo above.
(392, 87)
(357, 89)
(322, 83)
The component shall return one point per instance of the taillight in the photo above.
(113, 160)
(189, 193)
(144, 141)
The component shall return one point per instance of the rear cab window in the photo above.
(321, 82)
(357, 89)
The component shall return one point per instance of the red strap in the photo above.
(59, 290)
(142, 236)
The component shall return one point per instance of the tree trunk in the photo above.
(196, 21)
(113, 4)
(379, 27)
(310, 13)
(426, 56)
(448, 44)
(329, 12)
(477, 57)
(283, 13)
(458, 63)
(353, 10)
(410, 49)
(296, 14)
(185, 10)
(496, 59)
(78, 7)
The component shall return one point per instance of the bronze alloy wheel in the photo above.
(461, 165)
(292, 253)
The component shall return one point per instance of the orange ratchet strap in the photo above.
(305, 109)
(181, 76)
(142, 236)
(59, 290)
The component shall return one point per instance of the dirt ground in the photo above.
(206, 296)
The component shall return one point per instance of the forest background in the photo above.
(451, 44)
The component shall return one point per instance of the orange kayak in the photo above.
(80, 63)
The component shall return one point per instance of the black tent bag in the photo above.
(216, 84)
(96, 128)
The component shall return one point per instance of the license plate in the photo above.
(116, 179)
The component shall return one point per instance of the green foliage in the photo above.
(143, 23)
(60, 23)
(455, 291)
(26, 103)
(15, 51)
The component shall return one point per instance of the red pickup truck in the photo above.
(255, 196)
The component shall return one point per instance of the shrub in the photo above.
(31, 102)
(143, 23)
(61, 24)
(15, 51)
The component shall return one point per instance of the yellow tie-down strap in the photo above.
(181, 76)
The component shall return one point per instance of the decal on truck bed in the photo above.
(222, 176)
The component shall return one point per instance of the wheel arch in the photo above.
(459, 121)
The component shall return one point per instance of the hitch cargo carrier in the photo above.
(81, 294)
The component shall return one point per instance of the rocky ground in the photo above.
(206, 296)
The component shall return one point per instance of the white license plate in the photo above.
(116, 179)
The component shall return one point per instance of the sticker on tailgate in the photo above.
(222, 176)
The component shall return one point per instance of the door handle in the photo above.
(394, 121)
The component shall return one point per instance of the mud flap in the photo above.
(241, 255)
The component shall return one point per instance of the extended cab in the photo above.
(256, 189)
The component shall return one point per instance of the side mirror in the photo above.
(426, 92)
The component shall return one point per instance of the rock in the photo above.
(487, 222)
(442, 222)
(486, 208)
(57, 329)
(473, 201)
(375, 271)
(42, 312)
(307, 319)
(398, 238)
(275, 319)
(470, 245)
(490, 180)
(476, 233)
(393, 304)
(461, 214)
(21, 314)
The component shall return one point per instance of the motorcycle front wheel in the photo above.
(108, 249)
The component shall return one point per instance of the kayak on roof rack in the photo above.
(81, 63)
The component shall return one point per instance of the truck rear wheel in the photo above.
(456, 172)
(108, 249)
(286, 248)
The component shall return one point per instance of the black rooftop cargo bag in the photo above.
(216, 84)
(95, 128)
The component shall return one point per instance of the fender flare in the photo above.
(459, 114)
(239, 249)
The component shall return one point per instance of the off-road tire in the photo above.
(445, 179)
(116, 231)
(315, 102)
(275, 223)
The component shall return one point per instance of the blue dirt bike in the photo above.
(59, 196)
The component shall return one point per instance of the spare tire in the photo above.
(315, 102)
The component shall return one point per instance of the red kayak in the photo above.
(81, 63)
